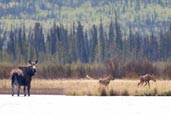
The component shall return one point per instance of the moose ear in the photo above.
(36, 61)
(30, 62)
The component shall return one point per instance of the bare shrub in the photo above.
(131, 75)
(140, 68)
(114, 67)
(4, 71)
(167, 71)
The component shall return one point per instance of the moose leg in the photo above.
(148, 84)
(12, 84)
(28, 90)
(24, 90)
(18, 93)
(145, 84)
(140, 83)
(107, 87)
(12, 89)
(19, 84)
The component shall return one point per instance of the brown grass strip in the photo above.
(39, 91)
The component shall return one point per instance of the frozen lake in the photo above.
(54, 104)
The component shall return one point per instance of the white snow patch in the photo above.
(54, 104)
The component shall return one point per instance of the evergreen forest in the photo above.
(85, 31)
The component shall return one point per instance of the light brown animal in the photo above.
(16, 71)
(104, 81)
(146, 79)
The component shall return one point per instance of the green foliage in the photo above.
(141, 14)
(115, 30)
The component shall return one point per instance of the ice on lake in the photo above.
(56, 104)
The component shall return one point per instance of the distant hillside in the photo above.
(141, 14)
(85, 31)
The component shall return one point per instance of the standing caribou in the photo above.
(22, 76)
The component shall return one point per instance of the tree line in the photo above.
(95, 45)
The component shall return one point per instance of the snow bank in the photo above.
(53, 104)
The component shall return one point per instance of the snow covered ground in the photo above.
(54, 104)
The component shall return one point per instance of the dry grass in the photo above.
(91, 87)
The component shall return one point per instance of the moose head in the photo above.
(32, 67)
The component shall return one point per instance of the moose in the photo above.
(104, 81)
(22, 76)
(146, 78)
